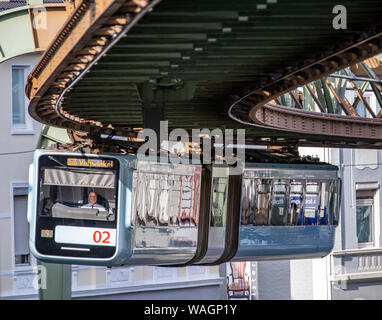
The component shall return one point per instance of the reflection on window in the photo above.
(78, 194)
(279, 211)
(18, 96)
(21, 121)
(219, 201)
(260, 211)
(249, 201)
(163, 199)
(334, 189)
(296, 199)
(289, 202)
(311, 203)
(364, 220)
(364, 213)
(20, 227)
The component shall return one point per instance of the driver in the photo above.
(93, 202)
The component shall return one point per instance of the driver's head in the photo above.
(93, 198)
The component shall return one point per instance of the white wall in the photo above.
(13, 165)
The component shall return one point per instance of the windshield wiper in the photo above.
(55, 160)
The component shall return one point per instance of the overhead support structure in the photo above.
(349, 123)
(239, 56)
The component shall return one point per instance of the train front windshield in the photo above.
(77, 206)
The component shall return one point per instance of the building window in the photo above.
(21, 227)
(370, 99)
(365, 220)
(21, 122)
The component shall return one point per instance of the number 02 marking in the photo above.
(101, 237)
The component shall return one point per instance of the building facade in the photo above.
(18, 138)
(356, 269)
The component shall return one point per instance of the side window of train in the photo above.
(337, 201)
(312, 198)
(334, 189)
(279, 211)
(163, 199)
(297, 190)
(289, 202)
(219, 201)
(323, 203)
(249, 200)
(264, 201)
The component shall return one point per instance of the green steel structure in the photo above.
(29, 26)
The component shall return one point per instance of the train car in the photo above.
(288, 211)
(273, 211)
(117, 210)
(113, 210)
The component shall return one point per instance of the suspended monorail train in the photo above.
(119, 210)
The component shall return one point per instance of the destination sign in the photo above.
(93, 163)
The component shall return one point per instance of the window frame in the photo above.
(368, 95)
(298, 218)
(27, 128)
(368, 198)
(16, 187)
